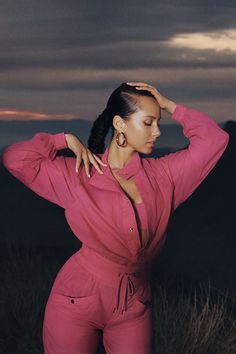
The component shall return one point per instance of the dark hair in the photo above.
(122, 102)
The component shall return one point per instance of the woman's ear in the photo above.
(118, 122)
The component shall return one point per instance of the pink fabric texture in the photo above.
(104, 220)
(97, 210)
(92, 294)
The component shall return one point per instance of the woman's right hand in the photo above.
(82, 152)
(164, 102)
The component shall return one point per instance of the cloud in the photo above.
(68, 56)
(8, 115)
(217, 41)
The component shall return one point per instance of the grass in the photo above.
(198, 320)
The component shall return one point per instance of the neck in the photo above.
(118, 156)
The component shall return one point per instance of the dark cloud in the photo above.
(53, 49)
(77, 22)
(118, 55)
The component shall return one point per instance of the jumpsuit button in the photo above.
(131, 229)
(72, 300)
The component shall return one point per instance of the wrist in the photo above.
(68, 138)
(170, 107)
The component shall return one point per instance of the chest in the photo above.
(129, 187)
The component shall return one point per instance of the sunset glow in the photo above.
(7, 114)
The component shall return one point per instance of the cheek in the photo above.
(137, 134)
(137, 129)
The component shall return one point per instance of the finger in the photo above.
(77, 164)
(99, 160)
(96, 165)
(145, 88)
(137, 83)
(144, 85)
(150, 89)
(86, 163)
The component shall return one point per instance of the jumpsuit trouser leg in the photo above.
(94, 298)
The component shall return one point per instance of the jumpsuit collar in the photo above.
(131, 168)
(107, 179)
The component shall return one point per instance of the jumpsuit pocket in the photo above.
(71, 298)
(74, 281)
(82, 305)
(143, 297)
(147, 303)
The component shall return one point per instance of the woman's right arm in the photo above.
(34, 163)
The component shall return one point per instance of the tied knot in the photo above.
(125, 288)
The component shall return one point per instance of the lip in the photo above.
(152, 142)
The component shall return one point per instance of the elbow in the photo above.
(219, 139)
(221, 143)
(6, 158)
(224, 139)
(9, 160)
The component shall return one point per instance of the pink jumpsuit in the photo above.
(105, 286)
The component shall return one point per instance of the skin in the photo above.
(138, 130)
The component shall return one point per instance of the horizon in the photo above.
(172, 137)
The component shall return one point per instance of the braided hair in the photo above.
(123, 102)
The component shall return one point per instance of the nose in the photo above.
(157, 132)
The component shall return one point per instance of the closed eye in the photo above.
(158, 124)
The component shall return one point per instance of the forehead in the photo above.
(148, 106)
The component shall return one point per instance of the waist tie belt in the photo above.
(125, 278)
(129, 290)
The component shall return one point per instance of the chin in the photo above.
(146, 150)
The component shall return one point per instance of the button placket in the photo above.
(131, 230)
(129, 216)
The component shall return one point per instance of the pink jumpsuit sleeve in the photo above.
(34, 163)
(187, 168)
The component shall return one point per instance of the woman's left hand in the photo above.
(164, 102)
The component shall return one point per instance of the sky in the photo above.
(62, 59)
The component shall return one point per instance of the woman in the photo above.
(119, 205)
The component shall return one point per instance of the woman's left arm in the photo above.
(187, 168)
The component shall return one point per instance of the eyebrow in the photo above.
(154, 117)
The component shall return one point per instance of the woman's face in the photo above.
(143, 126)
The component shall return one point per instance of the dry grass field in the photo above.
(200, 321)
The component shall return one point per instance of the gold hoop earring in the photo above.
(124, 143)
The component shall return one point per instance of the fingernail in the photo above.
(89, 175)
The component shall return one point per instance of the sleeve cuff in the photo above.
(60, 141)
(179, 112)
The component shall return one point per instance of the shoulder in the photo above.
(156, 166)
(66, 166)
